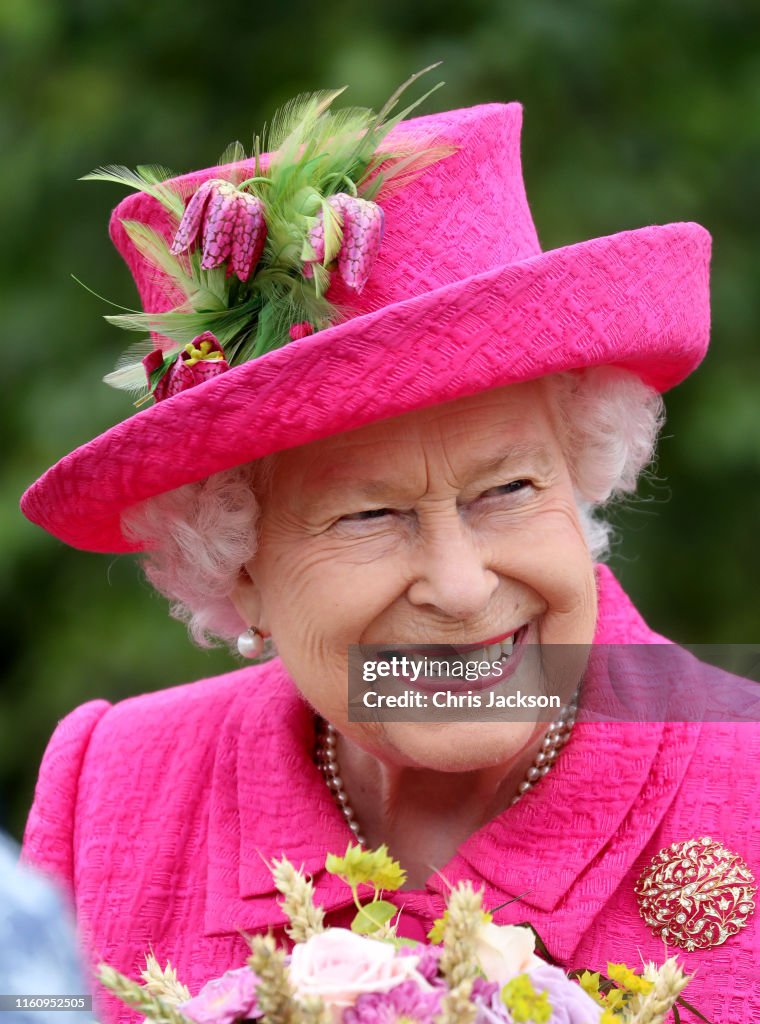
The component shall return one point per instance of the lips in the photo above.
(493, 649)
(422, 666)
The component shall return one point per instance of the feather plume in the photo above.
(333, 232)
(129, 374)
(153, 247)
(298, 113)
(136, 180)
(392, 170)
(155, 173)
(234, 153)
(314, 153)
(182, 326)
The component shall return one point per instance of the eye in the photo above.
(365, 515)
(511, 488)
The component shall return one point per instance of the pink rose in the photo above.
(224, 1000)
(339, 966)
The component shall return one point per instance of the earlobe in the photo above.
(246, 599)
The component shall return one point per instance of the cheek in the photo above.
(547, 553)
(319, 596)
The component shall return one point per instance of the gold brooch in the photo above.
(696, 894)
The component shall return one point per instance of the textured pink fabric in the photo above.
(159, 813)
(460, 300)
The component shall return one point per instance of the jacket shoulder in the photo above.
(48, 836)
(168, 734)
(102, 756)
(178, 708)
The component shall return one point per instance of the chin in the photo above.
(456, 746)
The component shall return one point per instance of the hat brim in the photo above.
(637, 299)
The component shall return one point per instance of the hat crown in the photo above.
(463, 215)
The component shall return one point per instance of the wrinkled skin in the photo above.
(453, 524)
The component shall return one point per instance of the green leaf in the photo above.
(373, 916)
(315, 151)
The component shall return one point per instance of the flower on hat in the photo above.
(252, 257)
(232, 225)
(361, 224)
(302, 330)
(200, 359)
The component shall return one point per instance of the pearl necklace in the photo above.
(556, 737)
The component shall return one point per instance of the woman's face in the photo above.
(450, 525)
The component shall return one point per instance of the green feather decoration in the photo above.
(129, 374)
(233, 154)
(143, 179)
(314, 153)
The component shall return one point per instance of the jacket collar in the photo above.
(565, 847)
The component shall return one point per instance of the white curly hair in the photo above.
(196, 538)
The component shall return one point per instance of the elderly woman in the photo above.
(403, 439)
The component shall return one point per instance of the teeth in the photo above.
(506, 646)
(492, 652)
(481, 654)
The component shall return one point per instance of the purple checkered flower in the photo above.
(231, 224)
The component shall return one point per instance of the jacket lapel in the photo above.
(563, 849)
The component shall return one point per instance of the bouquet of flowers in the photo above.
(471, 971)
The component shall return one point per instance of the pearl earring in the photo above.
(251, 643)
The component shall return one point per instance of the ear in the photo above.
(246, 598)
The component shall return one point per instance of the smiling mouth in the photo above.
(498, 648)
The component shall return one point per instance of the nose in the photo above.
(451, 571)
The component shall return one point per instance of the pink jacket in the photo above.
(159, 813)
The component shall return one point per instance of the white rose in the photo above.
(504, 951)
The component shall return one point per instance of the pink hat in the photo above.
(459, 299)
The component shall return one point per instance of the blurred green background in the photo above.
(635, 113)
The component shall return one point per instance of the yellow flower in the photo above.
(524, 1003)
(628, 979)
(608, 1017)
(590, 984)
(616, 999)
(369, 867)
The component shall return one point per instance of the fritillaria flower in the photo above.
(362, 223)
(199, 360)
(231, 224)
(300, 330)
